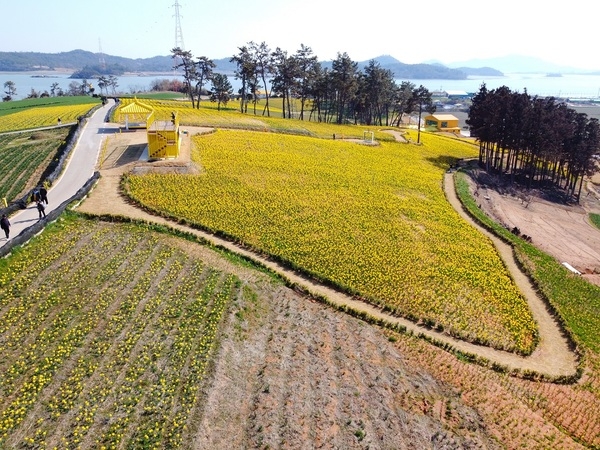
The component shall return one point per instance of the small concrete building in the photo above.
(443, 122)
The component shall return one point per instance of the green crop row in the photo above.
(100, 340)
(23, 155)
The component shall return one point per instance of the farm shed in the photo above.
(135, 114)
(443, 122)
(163, 137)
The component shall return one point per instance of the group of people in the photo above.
(40, 197)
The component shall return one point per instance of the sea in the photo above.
(567, 86)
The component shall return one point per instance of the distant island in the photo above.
(87, 65)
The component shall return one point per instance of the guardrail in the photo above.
(37, 227)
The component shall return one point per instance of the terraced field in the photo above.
(371, 220)
(23, 157)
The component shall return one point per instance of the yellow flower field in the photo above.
(209, 116)
(371, 220)
(46, 116)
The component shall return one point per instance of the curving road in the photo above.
(79, 168)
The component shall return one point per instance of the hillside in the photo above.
(77, 60)
(518, 64)
(120, 328)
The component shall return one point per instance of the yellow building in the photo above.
(163, 137)
(443, 122)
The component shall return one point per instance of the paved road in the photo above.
(80, 167)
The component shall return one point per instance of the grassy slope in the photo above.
(595, 219)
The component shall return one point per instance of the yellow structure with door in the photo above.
(163, 137)
(443, 122)
(162, 132)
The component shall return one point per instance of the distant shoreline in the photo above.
(592, 111)
(47, 73)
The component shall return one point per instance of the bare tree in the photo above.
(74, 88)
(33, 94)
(54, 88)
(113, 83)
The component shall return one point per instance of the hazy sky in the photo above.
(564, 33)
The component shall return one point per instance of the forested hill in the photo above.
(78, 60)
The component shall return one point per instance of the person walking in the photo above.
(43, 195)
(41, 209)
(5, 225)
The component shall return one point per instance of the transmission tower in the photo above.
(101, 55)
(178, 32)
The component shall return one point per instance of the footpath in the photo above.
(79, 169)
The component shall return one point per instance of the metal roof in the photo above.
(443, 117)
(136, 107)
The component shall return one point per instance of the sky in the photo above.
(563, 33)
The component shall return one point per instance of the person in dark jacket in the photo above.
(5, 225)
(43, 195)
(41, 209)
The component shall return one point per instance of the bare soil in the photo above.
(562, 230)
(292, 374)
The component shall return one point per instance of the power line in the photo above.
(101, 55)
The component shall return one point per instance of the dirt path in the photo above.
(398, 135)
(552, 357)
